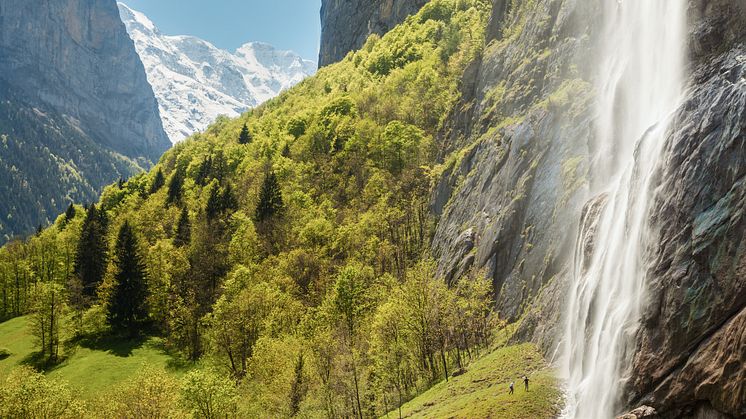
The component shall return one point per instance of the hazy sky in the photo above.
(228, 24)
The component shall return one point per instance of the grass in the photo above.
(92, 367)
(482, 391)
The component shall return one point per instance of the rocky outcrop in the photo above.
(346, 24)
(79, 110)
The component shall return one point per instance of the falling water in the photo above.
(639, 82)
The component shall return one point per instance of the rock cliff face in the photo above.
(346, 24)
(79, 112)
(517, 150)
(691, 355)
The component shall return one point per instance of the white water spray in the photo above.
(639, 84)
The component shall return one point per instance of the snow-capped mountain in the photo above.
(194, 81)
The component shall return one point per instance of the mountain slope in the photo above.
(78, 112)
(195, 82)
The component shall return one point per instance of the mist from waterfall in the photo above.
(639, 81)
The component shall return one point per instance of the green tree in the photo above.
(183, 234)
(270, 199)
(299, 387)
(214, 206)
(91, 254)
(175, 187)
(128, 301)
(48, 312)
(239, 319)
(351, 303)
(207, 395)
(158, 182)
(245, 136)
(26, 393)
(70, 213)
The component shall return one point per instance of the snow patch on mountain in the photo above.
(195, 82)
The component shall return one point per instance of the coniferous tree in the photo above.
(175, 187)
(128, 304)
(228, 199)
(158, 182)
(70, 213)
(91, 253)
(245, 136)
(270, 199)
(286, 150)
(204, 171)
(183, 229)
(214, 204)
(299, 388)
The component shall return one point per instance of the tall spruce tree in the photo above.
(245, 136)
(214, 205)
(229, 202)
(91, 253)
(128, 302)
(70, 213)
(158, 182)
(183, 234)
(270, 199)
(175, 187)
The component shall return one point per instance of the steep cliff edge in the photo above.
(79, 112)
(346, 24)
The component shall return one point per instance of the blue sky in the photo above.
(228, 24)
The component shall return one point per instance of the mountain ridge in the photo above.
(195, 81)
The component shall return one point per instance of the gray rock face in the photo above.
(521, 183)
(692, 346)
(79, 112)
(76, 56)
(346, 24)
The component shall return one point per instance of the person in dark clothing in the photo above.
(511, 388)
(525, 381)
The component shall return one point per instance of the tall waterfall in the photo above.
(639, 84)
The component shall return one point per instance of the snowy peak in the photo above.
(194, 81)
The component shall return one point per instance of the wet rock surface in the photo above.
(692, 345)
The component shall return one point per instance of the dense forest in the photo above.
(284, 253)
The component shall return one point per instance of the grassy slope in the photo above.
(92, 369)
(482, 392)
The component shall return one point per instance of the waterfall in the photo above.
(639, 80)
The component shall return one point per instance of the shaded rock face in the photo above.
(692, 345)
(346, 24)
(69, 73)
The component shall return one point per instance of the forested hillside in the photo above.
(287, 250)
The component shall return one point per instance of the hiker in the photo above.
(525, 381)
(511, 388)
